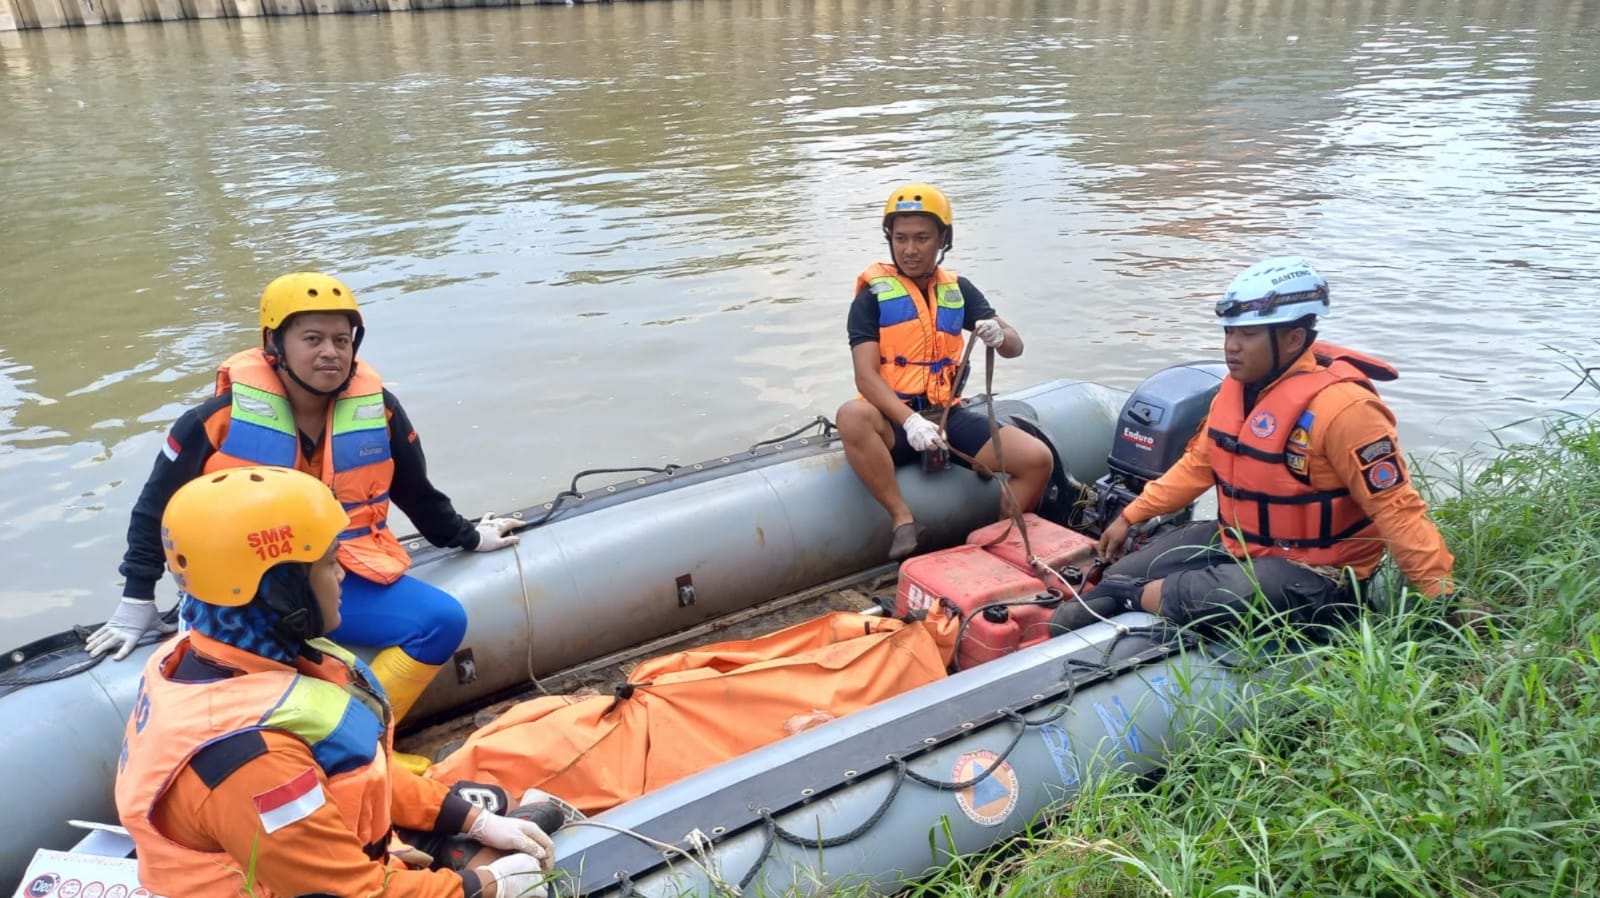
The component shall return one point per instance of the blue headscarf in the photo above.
(253, 627)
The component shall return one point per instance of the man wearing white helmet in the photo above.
(1312, 487)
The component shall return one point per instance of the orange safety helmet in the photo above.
(920, 199)
(306, 291)
(300, 292)
(222, 532)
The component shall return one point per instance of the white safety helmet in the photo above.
(1280, 290)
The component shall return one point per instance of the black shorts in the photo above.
(967, 431)
(1202, 584)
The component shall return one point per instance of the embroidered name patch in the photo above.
(1375, 450)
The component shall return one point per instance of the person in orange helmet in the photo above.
(905, 327)
(259, 753)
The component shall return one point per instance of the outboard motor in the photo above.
(1153, 429)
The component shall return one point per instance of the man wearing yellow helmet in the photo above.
(258, 753)
(304, 400)
(906, 343)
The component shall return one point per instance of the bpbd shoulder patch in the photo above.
(1383, 475)
(1380, 466)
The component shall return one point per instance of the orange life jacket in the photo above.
(1261, 464)
(356, 463)
(919, 343)
(328, 705)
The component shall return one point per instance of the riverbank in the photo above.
(1421, 759)
(25, 15)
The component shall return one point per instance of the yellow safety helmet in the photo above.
(923, 199)
(306, 291)
(223, 531)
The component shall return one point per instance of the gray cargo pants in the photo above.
(1203, 585)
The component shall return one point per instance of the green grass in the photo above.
(1426, 755)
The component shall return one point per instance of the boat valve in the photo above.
(685, 591)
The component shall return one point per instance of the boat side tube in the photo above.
(956, 765)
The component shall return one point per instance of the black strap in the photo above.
(1265, 539)
(1265, 502)
(218, 761)
(1227, 442)
(1307, 498)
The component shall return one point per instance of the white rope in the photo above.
(697, 839)
(527, 616)
(702, 846)
(1077, 597)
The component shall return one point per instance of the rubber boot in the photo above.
(1113, 595)
(1083, 612)
(403, 679)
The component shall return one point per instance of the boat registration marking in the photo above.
(1059, 746)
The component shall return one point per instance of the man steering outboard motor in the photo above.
(1312, 488)
(1155, 425)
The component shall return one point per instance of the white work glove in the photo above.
(495, 533)
(511, 834)
(922, 434)
(990, 332)
(516, 876)
(128, 624)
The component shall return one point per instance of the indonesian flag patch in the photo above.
(295, 800)
(171, 447)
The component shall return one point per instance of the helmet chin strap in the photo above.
(288, 593)
(1278, 364)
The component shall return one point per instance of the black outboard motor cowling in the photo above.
(1153, 429)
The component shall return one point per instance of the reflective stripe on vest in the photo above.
(918, 346)
(1265, 502)
(357, 462)
(328, 705)
(261, 427)
(325, 717)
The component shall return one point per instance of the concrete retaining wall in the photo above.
(17, 15)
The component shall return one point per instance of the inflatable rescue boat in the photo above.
(973, 755)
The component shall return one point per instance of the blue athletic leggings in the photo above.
(426, 622)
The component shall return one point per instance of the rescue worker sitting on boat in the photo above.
(304, 400)
(1312, 487)
(906, 345)
(258, 753)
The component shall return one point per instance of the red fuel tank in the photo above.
(980, 587)
(1057, 546)
(981, 582)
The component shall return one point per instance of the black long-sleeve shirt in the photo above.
(195, 436)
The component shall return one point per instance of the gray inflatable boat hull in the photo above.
(898, 790)
(618, 566)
